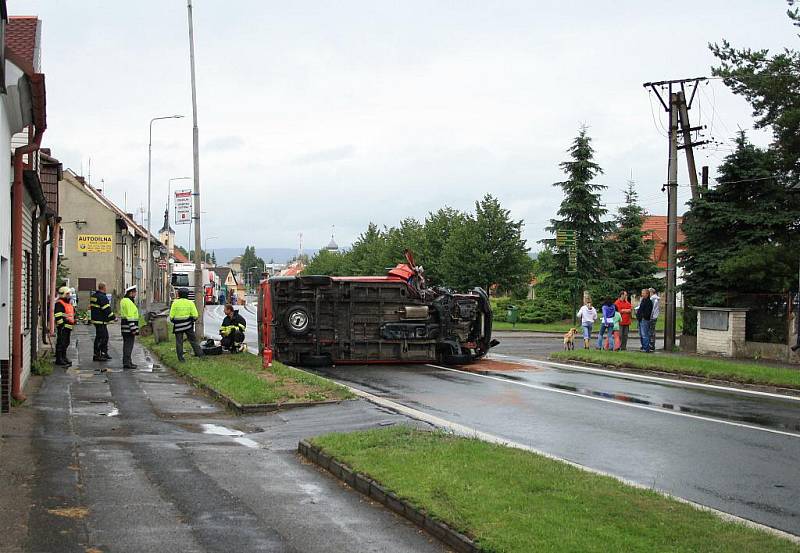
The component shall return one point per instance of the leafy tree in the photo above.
(487, 249)
(742, 236)
(630, 251)
(326, 262)
(252, 266)
(771, 83)
(368, 254)
(438, 228)
(582, 211)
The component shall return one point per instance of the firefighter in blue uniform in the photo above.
(102, 316)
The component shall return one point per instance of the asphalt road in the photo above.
(733, 451)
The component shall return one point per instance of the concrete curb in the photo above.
(373, 490)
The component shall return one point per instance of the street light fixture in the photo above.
(149, 297)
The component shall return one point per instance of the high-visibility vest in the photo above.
(129, 314)
(183, 314)
(232, 324)
(64, 313)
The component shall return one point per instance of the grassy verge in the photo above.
(514, 501)
(708, 368)
(43, 366)
(241, 377)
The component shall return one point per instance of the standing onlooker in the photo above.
(606, 323)
(643, 314)
(101, 315)
(654, 317)
(624, 308)
(614, 337)
(64, 316)
(129, 316)
(588, 315)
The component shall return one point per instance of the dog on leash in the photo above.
(569, 339)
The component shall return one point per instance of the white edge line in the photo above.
(644, 377)
(620, 403)
(474, 433)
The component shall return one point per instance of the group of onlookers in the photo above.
(615, 321)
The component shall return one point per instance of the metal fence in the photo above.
(768, 316)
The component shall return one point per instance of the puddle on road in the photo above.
(113, 413)
(749, 418)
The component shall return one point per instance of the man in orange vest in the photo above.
(64, 313)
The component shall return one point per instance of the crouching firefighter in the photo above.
(102, 315)
(232, 329)
(129, 317)
(183, 314)
(64, 314)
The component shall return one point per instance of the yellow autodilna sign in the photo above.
(95, 243)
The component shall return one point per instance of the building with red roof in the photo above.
(655, 228)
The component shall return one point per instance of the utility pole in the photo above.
(199, 296)
(678, 108)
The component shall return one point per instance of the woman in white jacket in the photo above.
(587, 315)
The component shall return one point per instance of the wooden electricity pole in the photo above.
(678, 109)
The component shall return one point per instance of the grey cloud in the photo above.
(223, 144)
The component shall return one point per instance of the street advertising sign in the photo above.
(95, 243)
(565, 238)
(162, 264)
(183, 207)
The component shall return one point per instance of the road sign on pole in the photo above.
(565, 238)
(183, 207)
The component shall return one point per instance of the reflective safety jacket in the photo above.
(64, 313)
(183, 314)
(102, 314)
(129, 314)
(232, 324)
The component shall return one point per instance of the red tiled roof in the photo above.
(655, 228)
(21, 36)
(179, 257)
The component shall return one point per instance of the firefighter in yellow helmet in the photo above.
(64, 314)
(183, 314)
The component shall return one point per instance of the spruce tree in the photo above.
(582, 211)
(631, 250)
(742, 236)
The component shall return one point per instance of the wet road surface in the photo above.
(730, 450)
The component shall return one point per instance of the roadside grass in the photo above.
(242, 378)
(516, 501)
(709, 368)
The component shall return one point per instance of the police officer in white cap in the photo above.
(129, 316)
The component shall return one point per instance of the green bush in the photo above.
(539, 310)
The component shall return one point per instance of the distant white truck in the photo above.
(183, 278)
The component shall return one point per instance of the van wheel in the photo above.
(313, 360)
(297, 320)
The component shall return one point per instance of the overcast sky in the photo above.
(314, 114)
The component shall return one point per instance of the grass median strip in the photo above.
(708, 368)
(242, 378)
(513, 501)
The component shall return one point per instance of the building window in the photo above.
(60, 242)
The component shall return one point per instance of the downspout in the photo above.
(16, 246)
(56, 239)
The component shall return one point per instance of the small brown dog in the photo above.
(569, 339)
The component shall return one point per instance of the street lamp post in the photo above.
(149, 296)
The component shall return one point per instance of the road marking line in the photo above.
(646, 378)
(620, 403)
(467, 431)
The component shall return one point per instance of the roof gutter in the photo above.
(17, 194)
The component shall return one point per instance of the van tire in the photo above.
(297, 320)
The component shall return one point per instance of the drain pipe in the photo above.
(16, 246)
(51, 299)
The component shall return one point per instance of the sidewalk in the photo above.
(134, 461)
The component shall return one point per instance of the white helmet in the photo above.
(63, 291)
